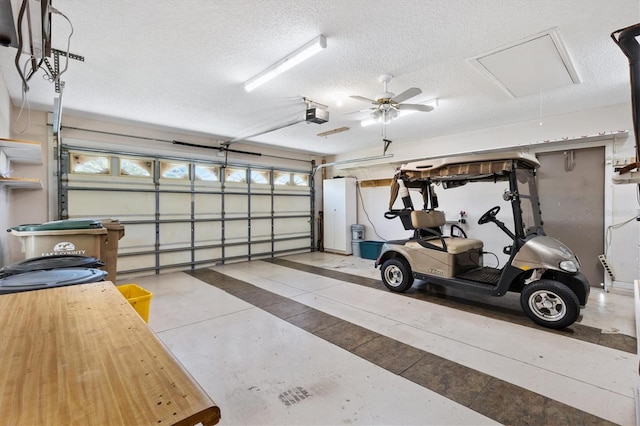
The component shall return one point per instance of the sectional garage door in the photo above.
(181, 213)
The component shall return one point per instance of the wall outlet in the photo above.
(621, 162)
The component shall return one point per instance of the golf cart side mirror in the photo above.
(508, 195)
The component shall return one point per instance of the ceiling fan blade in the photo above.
(363, 99)
(415, 107)
(407, 94)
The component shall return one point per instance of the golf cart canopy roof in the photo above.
(492, 166)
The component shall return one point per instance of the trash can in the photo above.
(355, 247)
(43, 263)
(78, 237)
(109, 247)
(357, 235)
(41, 279)
(50, 271)
(357, 232)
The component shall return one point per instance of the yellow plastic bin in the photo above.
(137, 297)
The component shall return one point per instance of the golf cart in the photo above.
(543, 270)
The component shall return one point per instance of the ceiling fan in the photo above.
(387, 105)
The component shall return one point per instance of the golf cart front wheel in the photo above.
(550, 304)
(396, 275)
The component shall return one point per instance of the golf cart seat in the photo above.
(432, 221)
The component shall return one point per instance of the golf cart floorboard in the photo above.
(484, 275)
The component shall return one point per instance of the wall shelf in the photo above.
(21, 183)
(19, 151)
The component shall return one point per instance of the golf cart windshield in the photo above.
(529, 204)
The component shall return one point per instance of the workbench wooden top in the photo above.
(81, 355)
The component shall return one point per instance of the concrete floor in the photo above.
(317, 339)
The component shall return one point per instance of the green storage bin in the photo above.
(370, 249)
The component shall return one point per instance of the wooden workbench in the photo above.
(81, 355)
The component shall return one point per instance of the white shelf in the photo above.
(20, 151)
(21, 183)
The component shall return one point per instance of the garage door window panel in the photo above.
(136, 167)
(206, 173)
(235, 175)
(261, 177)
(174, 170)
(90, 164)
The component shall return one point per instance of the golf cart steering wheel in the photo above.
(489, 215)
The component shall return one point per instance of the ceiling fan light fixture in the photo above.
(291, 60)
(388, 116)
(387, 106)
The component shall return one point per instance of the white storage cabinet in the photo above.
(340, 207)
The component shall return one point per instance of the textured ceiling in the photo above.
(181, 64)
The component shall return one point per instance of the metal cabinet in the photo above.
(340, 212)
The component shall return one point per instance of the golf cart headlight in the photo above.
(568, 266)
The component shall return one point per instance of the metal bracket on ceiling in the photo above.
(71, 55)
(387, 142)
(314, 104)
(55, 70)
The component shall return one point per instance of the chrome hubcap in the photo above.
(547, 305)
(393, 276)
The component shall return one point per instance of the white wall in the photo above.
(530, 136)
(5, 110)
(10, 198)
(5, 124)
(27, 205)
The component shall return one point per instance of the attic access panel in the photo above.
(533, 65)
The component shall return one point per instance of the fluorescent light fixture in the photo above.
(289, 61)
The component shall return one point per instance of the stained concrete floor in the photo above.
(316, 338)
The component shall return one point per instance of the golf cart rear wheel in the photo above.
(396, 275)
(550, 304)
